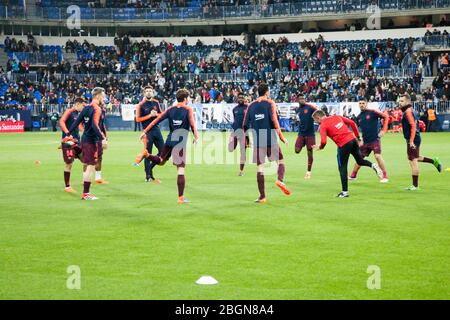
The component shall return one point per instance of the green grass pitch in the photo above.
(137, 243)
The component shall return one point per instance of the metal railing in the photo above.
(441, 107)
(223, 77)
(224, 12)
(441, 41)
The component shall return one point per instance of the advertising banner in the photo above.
(12, 126)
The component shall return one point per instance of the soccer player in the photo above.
(369, 123)
(238, 135)
(90, 116)
(306, 135)
(411, 133)
(147, 111)
(101, 146)
(70, 148)
(336, 127)
(181, 119)
(261, 117)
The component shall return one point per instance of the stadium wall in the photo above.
(217, 40)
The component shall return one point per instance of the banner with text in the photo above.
(12, 126)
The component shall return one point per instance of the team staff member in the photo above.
(336, 127)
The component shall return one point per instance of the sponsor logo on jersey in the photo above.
(259, 116)
(177, 122)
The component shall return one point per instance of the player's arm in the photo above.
(353, 125)
(385, 118)
(192, 124)
(412, 124)
(323, 136)
(158, 119)
(96, 123)
(76, 123)
(105, 132)
(276, 123)
(62, 121)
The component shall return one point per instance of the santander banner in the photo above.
(10, 126)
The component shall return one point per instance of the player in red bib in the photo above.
(336, 127)
(70, 147)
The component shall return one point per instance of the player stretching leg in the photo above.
(181, 119)
(70, 147)
(411, 133)
(261, 117)
(336, 127)
(90, 116)
(368, 121)
(238, 135)
(306, 135)
(101, 146)
(147, 111)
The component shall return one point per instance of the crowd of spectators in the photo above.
(288, 68)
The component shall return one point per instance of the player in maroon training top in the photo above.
(411, 133)
(336, 127)
(369, 123)
(70, 147)
(238, 136)
(101, 146)
(147, 111)
(306, 134)
(90, 116)
(261, 117)
(181, 119)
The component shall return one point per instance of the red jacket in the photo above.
(336, 127)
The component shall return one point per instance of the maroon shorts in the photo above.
(99, 150)
(273, 153)
(70, 153)
(90, 154)
(243, 141)
(413, 153)
(367, 148)
(308, 141)
(177, 153)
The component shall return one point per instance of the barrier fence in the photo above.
(220, 12)
(286, 109)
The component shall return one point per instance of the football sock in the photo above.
(427, 160)
(98, 175)
(241, 167)
(415, 180)
(354, 174)
(181, 182)
(67, 178)
(281, 170)
(310, 159)
(86, 186)
(260, 179)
